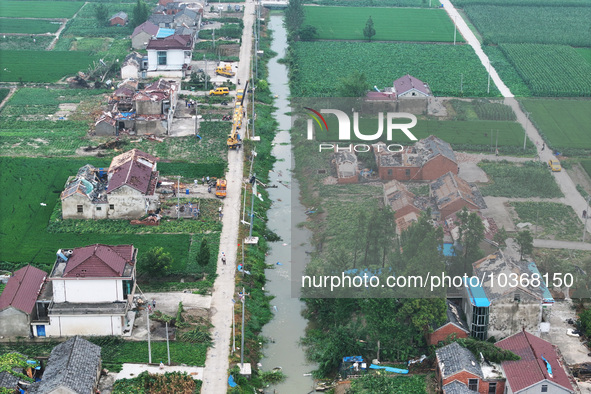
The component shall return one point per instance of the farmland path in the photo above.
(471, 39)
(215, 374)
(8, 96)
(552, 244)
(62, 27)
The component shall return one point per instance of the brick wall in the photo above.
(398, 173)
(464, 377)
(350, 179)
(436, 167)
(442, 333)
(456, 206)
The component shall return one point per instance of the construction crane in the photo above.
(234, 140)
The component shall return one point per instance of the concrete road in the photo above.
(215, 374)
(552, 244)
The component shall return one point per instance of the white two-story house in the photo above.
(170, 56)
(90, 292)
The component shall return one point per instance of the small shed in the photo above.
(119, 19)
(105, 125)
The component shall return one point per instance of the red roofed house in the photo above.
(17, 302)
(119, 19)
(401, 202)
(93, 289)
(540, 370)
(125, 191)
(142, 34)
(169, 56)
(452, 193)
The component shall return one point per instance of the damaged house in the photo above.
(428, 159)
(125, 191)
(148, 111)
(451, 193)
(402, 203)
(89, 292)
(346, 166)
(169, 56)
(496, 308)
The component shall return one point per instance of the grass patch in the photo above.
(585, 53)
(554, 220)
(3, 93)
(25, 43)
(30, 26)
(506, 71)
(530, 179)
(586, 164)
(562, 261)
(146, 383)
(41, 66)
(563, 123)
(391, 24)
(28, 101)
(39, 9)
(456, 72)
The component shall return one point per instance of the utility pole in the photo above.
(167, 344)
(233, 327)
(254, 191)
(149, 343)
(178, 197)
(586, 216)
(242, 336)
(455, 28)
(526, 124)
(488, 87)
(243, 259)
(204, 58)
(213, 38)
(462, 83)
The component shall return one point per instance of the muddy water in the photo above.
(287, 327)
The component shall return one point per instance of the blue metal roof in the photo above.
(545, 292)
(477, 295)
(163, 33)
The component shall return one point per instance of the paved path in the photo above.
(474, 43)
(215, 374)
(62, 27)
(552, 244)
(8, 96)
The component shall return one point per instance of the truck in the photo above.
(220, 188)
(234, 140)
(225, 71)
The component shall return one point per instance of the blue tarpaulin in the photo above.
(353, 359)
(231, 381)
(163, 33)
(389, 369)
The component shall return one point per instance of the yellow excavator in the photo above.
(234, 141)
(220, 188)
(225, 71)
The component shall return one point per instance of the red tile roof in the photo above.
(22, 289)
(408, 82)
(175, 41)
(531, 368)
(99, 261)
(147, 27)
(133, 174)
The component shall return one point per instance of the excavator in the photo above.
(225, 71)
(234, 140)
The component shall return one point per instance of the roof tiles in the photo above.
(22, 289)
(99, 261)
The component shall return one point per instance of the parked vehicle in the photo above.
(554, 165)
(221, 91)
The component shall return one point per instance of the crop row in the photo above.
(555, 3)
(23, 43)
(31, 26)
(449, 70)
(550, 70)
(537, 25)
(552, 220)
(515, 180)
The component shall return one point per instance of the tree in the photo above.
(203, 255)
(526, 243)
(369, 31)
(156, 262)
(140, 13)
(355, 85)
(101, 12)
(307, 33)
(471, 233)
(500, 236)
(585, 322)
(294, 15)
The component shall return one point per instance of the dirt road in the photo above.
(215, 374)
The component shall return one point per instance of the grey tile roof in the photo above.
(7, 380)
(454, 358)
(456, 387)
(453, 315)
(73, 364)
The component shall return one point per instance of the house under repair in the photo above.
(126, 190)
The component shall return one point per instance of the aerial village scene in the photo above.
(287, 196)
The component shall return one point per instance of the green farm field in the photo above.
(39, 9)
(29, 26)
(563, 123)
(550, 70)
(555, 3)
(536, 25)
(391, 24)
(530, 179)
(443, 67)
(23, 43)
(41, 66)
(585, 53)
